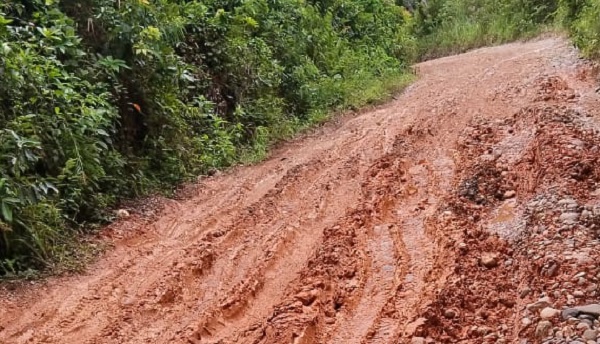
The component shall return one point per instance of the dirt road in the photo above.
(415, 222)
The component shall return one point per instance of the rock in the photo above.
(578, 294)
(307, 298)
(122, 214)
(568, 332)
(582, 326)
(593, 309)
(590, 323)
(567, 201)
(526, 322)
(524, 292)
(489, 260)
(539, 305)
(569, 218)
(449, 313)
(417, 340)
(590, 334)
(569, 313)
(587, 317)
(483, 330)
(549, 313)
(543, 329)
(510, 194)
(552, 270)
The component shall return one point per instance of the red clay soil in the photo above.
(415, 220)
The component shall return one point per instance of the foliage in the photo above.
(448, 26)
(451, 26)
(581, 17)
(107, 99)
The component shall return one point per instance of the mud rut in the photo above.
(354, 234)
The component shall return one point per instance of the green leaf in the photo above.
(7, 212)
(101, 132)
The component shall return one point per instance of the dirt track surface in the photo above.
(417, 219)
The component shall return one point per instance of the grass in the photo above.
(370, 92)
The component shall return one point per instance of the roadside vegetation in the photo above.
(103, 100)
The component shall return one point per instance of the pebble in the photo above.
(122, 214)
(489, 260)
(307, 298)
(582, 326)
(450, 313)
(569, 218)
(417, 340)
(524, 292)
(543, 329)
(549, 313)
(590, 334)
(539, 305)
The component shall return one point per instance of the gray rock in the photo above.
(590, 323)
(586, 317)
(593, 309)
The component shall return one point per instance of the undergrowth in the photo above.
(103, 100)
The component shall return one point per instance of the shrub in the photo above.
(105, 99)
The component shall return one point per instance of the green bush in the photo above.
(449, 26)
(105, 99)
(583, 20)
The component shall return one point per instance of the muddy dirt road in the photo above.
(417, 222)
